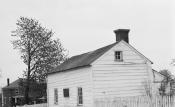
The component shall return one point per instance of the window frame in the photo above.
(64, 93)
(17, 91)
(55, 96)
(119, 57)
(79, 96)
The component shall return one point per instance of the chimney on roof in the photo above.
(122, 34)
(8, 81)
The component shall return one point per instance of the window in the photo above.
(80, 96)
(56, 96)
(16, 91)
(66, 92)
(118, 56)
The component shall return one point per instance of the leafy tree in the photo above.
(38, 50)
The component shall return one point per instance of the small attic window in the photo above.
(118, 56)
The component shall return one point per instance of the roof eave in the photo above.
(138, 52)
(79, 67)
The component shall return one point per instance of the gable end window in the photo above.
(55, 96)
(80, 96)
(66, 92)
(118, 56)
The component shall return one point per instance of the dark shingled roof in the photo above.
(14, 84)
(82, 60)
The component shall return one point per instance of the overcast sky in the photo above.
(85, 25)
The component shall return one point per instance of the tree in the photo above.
(166, 73)
(168, 80)
(37, 89)
(38, 50)
(173, 62)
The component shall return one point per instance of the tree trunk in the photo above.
(28, 77)
(27, 90)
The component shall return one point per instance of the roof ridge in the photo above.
(92, 51)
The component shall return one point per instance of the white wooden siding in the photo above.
(119, 79)
(105, 78)
(72, 80)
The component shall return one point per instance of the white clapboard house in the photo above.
(116, 70)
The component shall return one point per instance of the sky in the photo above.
(86, 25)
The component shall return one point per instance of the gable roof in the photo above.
(14, 84)
(156, 72)
(86, 59)
(82, 60)
(137, 51)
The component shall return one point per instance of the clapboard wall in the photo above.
(72, 80)
(118, 79)
(104, 78)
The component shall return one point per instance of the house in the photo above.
(167, 84)
(158, 78)
(10, 94)
(116, 70)
(13, 93)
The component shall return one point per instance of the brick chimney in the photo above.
(8, 81)
(122, 34)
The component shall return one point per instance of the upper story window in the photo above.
(16, 91)
(55, 96)
(118, 56)
(66, 92)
